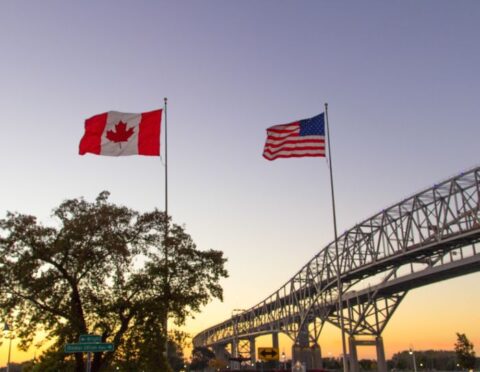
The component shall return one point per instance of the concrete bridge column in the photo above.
(301, 350)
(316, 356)
(234, 347)
(296, 353)
(275, 344)
(354, 366)
(220, 352)
(253, 356)
(378, 343)
(381, 362)
(275, 340)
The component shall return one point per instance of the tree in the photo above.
(464, 351)
(143, 357)
(103, 269)
(368, 364)
(201, 357)
(440, 360)
(178, 341)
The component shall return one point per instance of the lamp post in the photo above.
(283, 358)
(6, 328)
(412, 353)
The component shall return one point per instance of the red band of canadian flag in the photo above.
(116, 133)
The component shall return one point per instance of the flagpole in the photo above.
(165, 244)
(339, 282)
(166, 157)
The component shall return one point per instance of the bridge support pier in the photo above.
(381, 362)
(378, 343)
(275, 340)
(316, 356)
(234, 347)
(275, 344)
(220, 352)
(253, 349)
(354, 366)
(310, 356)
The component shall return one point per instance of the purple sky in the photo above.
(401, 79)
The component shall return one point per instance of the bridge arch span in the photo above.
(428, 237)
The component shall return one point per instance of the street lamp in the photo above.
(411, 352)
(6, 328)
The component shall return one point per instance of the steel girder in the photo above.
(425, 238)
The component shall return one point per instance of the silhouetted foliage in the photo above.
(201, 357)
(331, 363)
(102, 270)
(441, 360)
(368, 364)
(465, 352)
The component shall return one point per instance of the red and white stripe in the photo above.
(284, 141)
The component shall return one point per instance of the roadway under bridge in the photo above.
(361, 279)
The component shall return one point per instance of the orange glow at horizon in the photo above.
(428, 318)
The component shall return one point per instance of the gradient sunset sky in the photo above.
(402, 79)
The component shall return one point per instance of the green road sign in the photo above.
(86, 339)
(90, 347)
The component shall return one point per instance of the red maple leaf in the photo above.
(120, 134)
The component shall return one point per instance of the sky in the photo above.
(401, 79)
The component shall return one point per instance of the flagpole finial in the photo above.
(165, 99)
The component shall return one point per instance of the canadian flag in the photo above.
(116, 133)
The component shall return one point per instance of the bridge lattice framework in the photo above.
(428, 237)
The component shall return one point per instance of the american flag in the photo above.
(298, 139)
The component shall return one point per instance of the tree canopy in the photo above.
(103, 269)
(465, 352)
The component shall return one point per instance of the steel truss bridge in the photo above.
(428, 237)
